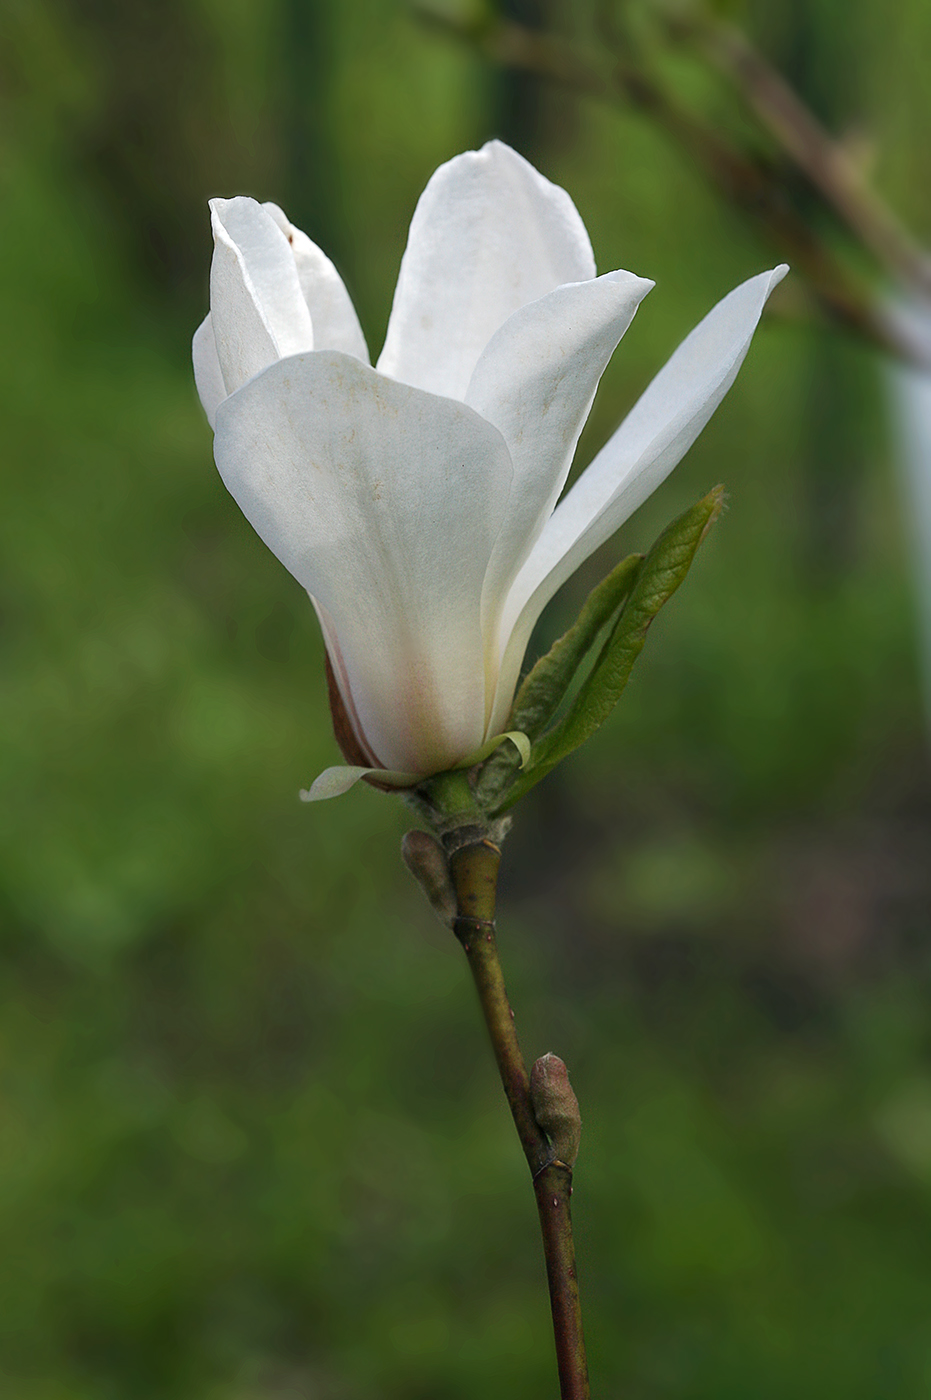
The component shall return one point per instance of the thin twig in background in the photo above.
(744, 179)
(824, 160)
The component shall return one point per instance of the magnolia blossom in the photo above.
(416, 502)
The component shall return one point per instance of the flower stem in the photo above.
(474, 870)
(553, 1187)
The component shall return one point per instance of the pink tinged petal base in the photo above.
(384, 502)
(258, 309)
(489, 235)
(354, 745)
(208, 375)
(336, 325)
(652, 439)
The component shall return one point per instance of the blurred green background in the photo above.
(252, 1146)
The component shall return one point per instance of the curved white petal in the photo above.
(489, 234)
(208, 375)
(653, 437)
(384, 502)
(535, 382)
(258, 310)
(336, 325)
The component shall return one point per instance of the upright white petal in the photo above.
(384, 502)
(258, 309)
(535, 382)
(336, 325)
(208, 375)
(489, 234)
(653, 437)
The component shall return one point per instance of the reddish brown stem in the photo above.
(553, 1187)
(474, 870)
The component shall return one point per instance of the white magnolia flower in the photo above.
(417, 501)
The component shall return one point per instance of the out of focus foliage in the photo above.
(251, 1142)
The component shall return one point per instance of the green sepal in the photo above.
(545, 685)
(657, 578)
(521, 749)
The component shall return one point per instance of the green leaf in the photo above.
(544, 687)
(657, 578)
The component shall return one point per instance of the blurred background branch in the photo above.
(832, 168)
(627, 69)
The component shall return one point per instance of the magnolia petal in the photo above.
(336, 325)
(489, 235)
(208, 375)
(333, 782)
(258, 309)
(384, 502)
(653, 437)
(535, 382)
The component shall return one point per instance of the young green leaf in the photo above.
(545, 686)
(658, 577)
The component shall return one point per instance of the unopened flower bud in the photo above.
(556, 1107)
(426, 860)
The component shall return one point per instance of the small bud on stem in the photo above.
(426, 860)
(556, 1107)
